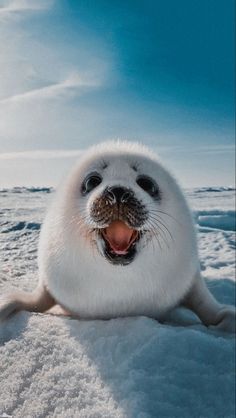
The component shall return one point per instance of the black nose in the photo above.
(119, 194)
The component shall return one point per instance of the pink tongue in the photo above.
(119, 236)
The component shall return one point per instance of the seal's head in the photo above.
(117, 200)
(119, 238)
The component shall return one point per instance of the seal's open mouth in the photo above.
(120, 242)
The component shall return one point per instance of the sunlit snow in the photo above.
(53, 366)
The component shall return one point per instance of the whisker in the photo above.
(157, 219)
(154, 210)
(160, 231)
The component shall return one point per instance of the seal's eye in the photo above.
(148, 185)
(92, 181)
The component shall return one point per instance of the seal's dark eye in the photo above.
(148, 185)
(92, 181)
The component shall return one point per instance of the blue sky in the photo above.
(74, 73)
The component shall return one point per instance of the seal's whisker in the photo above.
(156, 229)
(159, 220)
(156, 211)
(158, 241)
(154, 235)
(166, 231)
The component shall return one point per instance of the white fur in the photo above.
(81, 279)
(164, 273)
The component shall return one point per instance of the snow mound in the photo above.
(27, 189)
(19, 226)
(219, 219)
(214, 189)
(132, 367)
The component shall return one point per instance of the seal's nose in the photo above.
(119, 194)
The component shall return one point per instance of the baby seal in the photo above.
(119, 240)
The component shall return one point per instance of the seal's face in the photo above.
(120, 216)
(118, 196)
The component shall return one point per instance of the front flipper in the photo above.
(212, 313)
(227, 319)
(39, 300)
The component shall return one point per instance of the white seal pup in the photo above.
(119, 240)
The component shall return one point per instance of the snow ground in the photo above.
(133, 367)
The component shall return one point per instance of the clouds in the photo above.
(168, 151)
(19, 68)
(11, 7)
(33, 65)
(76, 73)
(70, 85)
(44, 71)
(40, 155)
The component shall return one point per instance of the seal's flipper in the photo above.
(38, 301)
(212, 313)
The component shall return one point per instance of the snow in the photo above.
(54, 366)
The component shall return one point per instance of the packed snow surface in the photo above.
(55, 366)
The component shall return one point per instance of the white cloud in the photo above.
(43, 75)
(197, 149)
(40, 154)
(17, 6)
(73, 81)
(73, 153)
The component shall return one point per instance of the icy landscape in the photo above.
(54, 366)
